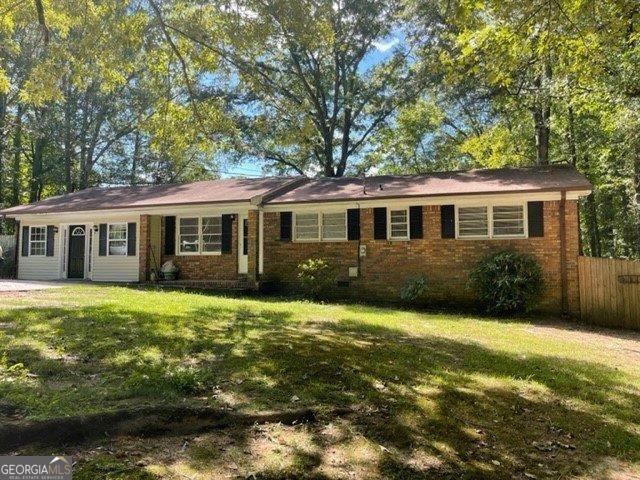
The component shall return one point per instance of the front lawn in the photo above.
(435, 395)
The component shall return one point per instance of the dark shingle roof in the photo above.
(209, 191)
(279, 190)
(502, 180)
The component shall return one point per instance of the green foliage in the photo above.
(507, 282)
(413, 288)
(315, 276)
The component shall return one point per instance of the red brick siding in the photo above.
(445, 262)
(207, 267)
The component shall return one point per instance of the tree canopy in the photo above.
(147, 91)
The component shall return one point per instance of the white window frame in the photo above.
(346, 226)
(200, 235)
(320, 236)
(490, 235)
(126, 239)
(44, 254)
(525, 223)
(389, 229)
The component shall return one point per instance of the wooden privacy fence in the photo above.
(610, 292)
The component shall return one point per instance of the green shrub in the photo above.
(507, 282)
(315, 276)
(413, 287)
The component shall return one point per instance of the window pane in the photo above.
(473, 222)
(307, 226)
(189, 226)
(189, 243)
(508, 220)
(117, 247)
(211, 234)
(118, 231)
(399, 227)
(334, 225)
(37, 241)
(38, 234)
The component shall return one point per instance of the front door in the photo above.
(76, 251)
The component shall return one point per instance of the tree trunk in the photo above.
(592, 227)
(68, 147)
(17, 153)
(136, 159)
(3, 116)
(542, 115)
(35, 190)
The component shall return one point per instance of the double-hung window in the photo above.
(334, 226)
(326, 226)
(473, 222)
(117, 239)
(211, 234)
(493, 221)
(398, 224)
(508, 221)
(307, 227)
(37, 241)
(189, 235)
(200, 235)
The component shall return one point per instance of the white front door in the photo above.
(243, 246)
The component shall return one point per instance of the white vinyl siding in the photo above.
(115, 268)
(39, 267)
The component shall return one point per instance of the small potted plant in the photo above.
(169, 270)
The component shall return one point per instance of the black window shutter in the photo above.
(285, 226)
(415, 222)
(102, 241)
(380, 223)
(227, 224)
(170, 235)
(353, 224)
(50, 240)
(131, 239)
(535, 215)
(25, 241)
(448, 221)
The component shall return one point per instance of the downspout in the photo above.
(563, 252)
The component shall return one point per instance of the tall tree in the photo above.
(309, 85)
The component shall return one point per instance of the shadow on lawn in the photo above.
(473, 411)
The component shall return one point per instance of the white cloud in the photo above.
(383, 46)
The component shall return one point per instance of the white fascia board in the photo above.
(473, 199)
(115, 214)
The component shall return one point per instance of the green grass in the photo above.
(438, 395)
